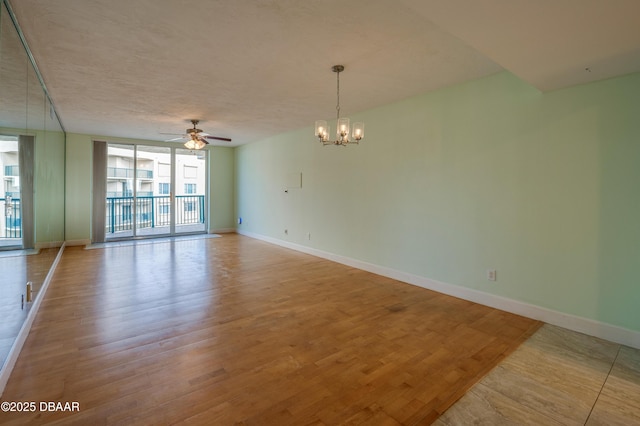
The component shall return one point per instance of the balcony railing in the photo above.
(129, 194)
(152, 212)
(121, 172)
(10, 210)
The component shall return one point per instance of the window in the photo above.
(162, 179)
(163, 188)
(126, 190)
(189, 188)
(190, 172)
(164, 170)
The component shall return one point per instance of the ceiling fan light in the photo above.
(195, 138)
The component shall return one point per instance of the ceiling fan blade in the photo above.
(218, 138)
(176, 139)
(175, 134)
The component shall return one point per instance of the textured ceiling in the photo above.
(250, 69)
(551, 44)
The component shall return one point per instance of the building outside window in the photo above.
(190, 172)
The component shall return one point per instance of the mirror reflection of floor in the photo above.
(6, 243)
(16, 269)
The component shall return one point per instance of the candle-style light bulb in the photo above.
(320, 128)
(358, 130)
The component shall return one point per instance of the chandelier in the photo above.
(342, 134)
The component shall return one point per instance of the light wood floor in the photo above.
(234, 330)
(557, 377)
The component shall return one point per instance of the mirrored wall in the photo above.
(32, 168)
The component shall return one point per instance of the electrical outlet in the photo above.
(491, 274)
(286, 231)
(308, 235)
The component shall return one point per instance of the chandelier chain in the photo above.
(338, 96)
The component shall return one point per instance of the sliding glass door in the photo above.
(153, 191)
(190, 173)
(147, 196)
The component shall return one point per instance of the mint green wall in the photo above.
(486, 174)
(79, 185)
(49, 187)
(221, 201)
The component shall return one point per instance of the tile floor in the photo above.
(557, 377)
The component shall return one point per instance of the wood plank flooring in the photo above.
(557, 377)
(233, 330)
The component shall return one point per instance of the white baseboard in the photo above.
(52, 244)
(588, 326)
(12, 357)
(223, 231)
(70, 243)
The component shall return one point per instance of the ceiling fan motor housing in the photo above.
(194, 130)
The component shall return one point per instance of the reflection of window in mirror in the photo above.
(10, 211)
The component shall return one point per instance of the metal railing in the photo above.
(121, 172)
(12, 217)
(129, 194)
(152, 212)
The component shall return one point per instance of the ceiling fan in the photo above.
(196, 139)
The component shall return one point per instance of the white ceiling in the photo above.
(249, 69)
